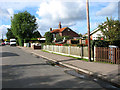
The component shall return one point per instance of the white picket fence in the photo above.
(81, 52)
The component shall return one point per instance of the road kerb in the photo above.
(100, 76)
(69, 66)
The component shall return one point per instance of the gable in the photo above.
(69, 32)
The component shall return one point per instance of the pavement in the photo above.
(104, 71)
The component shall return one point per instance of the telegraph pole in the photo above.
(88, 27)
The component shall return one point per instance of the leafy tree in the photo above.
(9, 34)
(49, 37)
(37, 34)
(110, 30)
(23, 25)
(80, 35)
(59, 38)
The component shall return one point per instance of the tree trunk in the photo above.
(20, 41)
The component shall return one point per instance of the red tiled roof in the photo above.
(58, 30)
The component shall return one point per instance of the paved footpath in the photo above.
(109, 72)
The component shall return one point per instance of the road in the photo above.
(22, 69)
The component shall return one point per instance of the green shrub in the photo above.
(59, 38)
(49, 37)
(34, 39)
(99, 43)
(74, 41)
(26, 40)
(116, 43)
(66, 44)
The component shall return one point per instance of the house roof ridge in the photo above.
(59, 29)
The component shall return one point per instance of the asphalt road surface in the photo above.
(22, 69)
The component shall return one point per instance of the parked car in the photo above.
(2, 43)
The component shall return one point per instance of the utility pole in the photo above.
(88, 27)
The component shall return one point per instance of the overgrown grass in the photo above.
(67, 56)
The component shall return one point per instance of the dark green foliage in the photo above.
(23, 25)
(99, 43)
(66, 44)
(116, 43)
(37, 34)
(110, 30)
(59, 38)
(80, 35)
(9, 34)
(74, 41)
(34, 39)
(20, 41)
(49, 37)
(26, 40)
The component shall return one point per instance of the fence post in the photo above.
(115, 55)
(94, 54)
(69, 50)
(81, 51)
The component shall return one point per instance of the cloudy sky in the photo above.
(71, 13)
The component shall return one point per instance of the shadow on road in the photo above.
(8, 54)
(13, 77)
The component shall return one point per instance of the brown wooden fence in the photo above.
(109, 55)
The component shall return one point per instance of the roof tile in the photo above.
(58, 30)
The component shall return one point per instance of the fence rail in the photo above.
(109, 55)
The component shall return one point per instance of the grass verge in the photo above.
(67, 56)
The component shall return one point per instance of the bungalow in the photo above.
(95, 34)
(66, 31)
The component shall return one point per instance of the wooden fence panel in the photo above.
(117, 55)
(109, 55)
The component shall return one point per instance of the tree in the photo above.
(9, 34)
(37, 34)
(110, 30)
(23, 25)
(49, 37)
(80, 35)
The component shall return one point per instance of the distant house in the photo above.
(65, 31)
(95, 34)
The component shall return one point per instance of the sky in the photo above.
(71, 13)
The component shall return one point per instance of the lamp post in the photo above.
(88, 27)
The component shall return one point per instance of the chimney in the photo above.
(50, 29)
(60, 26)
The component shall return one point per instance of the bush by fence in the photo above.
(74, 41)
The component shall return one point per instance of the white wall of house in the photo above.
(96, 35)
